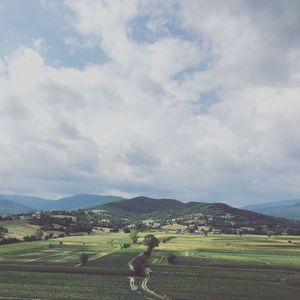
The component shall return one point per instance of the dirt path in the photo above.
(145, 286)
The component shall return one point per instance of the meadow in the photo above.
(212, 267)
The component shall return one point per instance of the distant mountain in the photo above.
(37, 203)
(80, 201)
(286, 209)
(67, 203)
(8, 207)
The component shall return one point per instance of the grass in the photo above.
(19, 228)
(215, 267)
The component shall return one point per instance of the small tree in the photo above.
(151, 241)
(126, 230)
(133, 235)
(84, 258)
(171, 259)
(125, 245)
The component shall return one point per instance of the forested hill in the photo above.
(219, 215)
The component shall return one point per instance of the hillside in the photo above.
(80, 201)
(217, 215)
(286, 209)
(8, 207)
(145, 205)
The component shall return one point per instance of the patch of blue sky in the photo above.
(22, 22)
(208, 98)
(146, 28)
(201, 66)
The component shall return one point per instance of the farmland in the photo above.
(213, 267)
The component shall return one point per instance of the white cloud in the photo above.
(206, 112)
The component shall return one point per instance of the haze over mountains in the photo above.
(285, 209)
(21, 204)
(8, 207)
(18, 204)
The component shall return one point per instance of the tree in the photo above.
(151, 241)
(126, 230)
(84, 258)
(133, 235)
(171, 259)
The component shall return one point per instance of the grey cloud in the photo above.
(207, 116)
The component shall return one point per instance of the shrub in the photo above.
(29, 238)
(5, 241)
(84, 258)
(126, 230)
(171, 259)
(125, 245)
(151, 241)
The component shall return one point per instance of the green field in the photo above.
(213, 267)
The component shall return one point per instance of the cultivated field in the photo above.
(213, 267)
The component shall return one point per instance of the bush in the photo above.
(171, 259)
(30, 238)
(151, 241)
(84, 258)
(125, 245)
(126, 230)
(6, 241)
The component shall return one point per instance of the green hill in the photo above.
(144, 205)
(217, 215)
(8, 207)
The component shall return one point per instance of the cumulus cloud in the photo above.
(195, 100)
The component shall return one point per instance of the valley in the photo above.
(215, 267)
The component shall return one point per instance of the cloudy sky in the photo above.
(194, 100)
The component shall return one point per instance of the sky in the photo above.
(193, 100)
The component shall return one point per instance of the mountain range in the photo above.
(286, 209)
(8, 207)
(18, 204)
